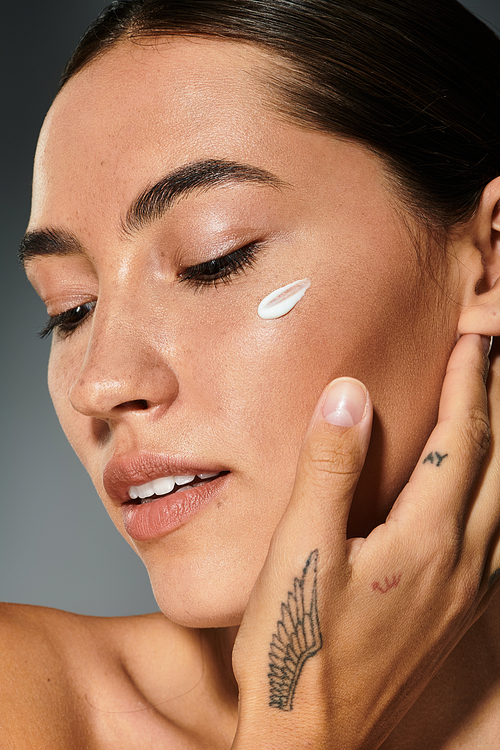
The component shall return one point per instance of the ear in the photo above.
(480, 251)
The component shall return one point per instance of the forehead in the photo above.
(152, 83)
(146, 107)
(144, 110)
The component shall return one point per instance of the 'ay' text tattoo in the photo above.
(434, 458)
(298, 637)
(393, 583)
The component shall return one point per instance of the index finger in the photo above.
(440, 488)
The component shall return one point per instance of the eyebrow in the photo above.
(154, 202)
(48, 242)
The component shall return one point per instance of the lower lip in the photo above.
(152, 520)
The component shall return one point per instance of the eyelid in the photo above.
(222, 268)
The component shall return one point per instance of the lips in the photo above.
(124, 472)
(125, 475)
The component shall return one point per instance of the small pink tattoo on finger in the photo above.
(387, 585)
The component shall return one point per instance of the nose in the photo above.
(124, 370)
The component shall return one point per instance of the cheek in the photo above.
(64, 365)
(259, 379)
(386, 325)
(59, 376)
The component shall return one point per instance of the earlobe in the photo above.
(480, 311)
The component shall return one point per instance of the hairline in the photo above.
(282, 106)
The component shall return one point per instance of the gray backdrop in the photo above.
(57, 544)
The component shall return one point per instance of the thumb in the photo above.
(310, 539)
(330, 462)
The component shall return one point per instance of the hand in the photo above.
(340, 635)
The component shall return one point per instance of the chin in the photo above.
(199, 614)
(201, 601)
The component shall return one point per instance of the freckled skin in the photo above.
(220, 382)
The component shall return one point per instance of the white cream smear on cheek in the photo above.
(282, 300)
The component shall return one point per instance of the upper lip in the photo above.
(123, 472)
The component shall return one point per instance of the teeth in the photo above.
(145, 490)
(184, 480)
(164, 485)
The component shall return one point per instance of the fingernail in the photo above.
(487, 343)
(344, 404)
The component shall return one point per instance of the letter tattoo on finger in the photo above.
(298, 637)
(435, 458)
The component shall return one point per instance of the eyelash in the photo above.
(221, 269)
(68, 321)
(210, 273)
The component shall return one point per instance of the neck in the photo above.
(217, 645)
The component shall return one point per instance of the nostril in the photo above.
(136, 405)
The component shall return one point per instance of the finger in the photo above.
(308, 544)
(438, 495)
(485, 514)
(331, 458)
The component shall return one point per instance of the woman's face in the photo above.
(167, 375)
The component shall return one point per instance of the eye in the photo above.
(221, 269)
(202, 274)
(68, 321)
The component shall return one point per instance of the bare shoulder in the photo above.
(35, 640)
(28, 641)
(35, 690)
(61, 670)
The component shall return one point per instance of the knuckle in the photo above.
(440, 556)
(465, 590)
(476, 431)
(337, 458)
(437, 558)
(447, 552)
(461, 570)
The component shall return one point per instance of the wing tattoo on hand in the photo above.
(298, 637)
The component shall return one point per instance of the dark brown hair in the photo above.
(416, 81)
